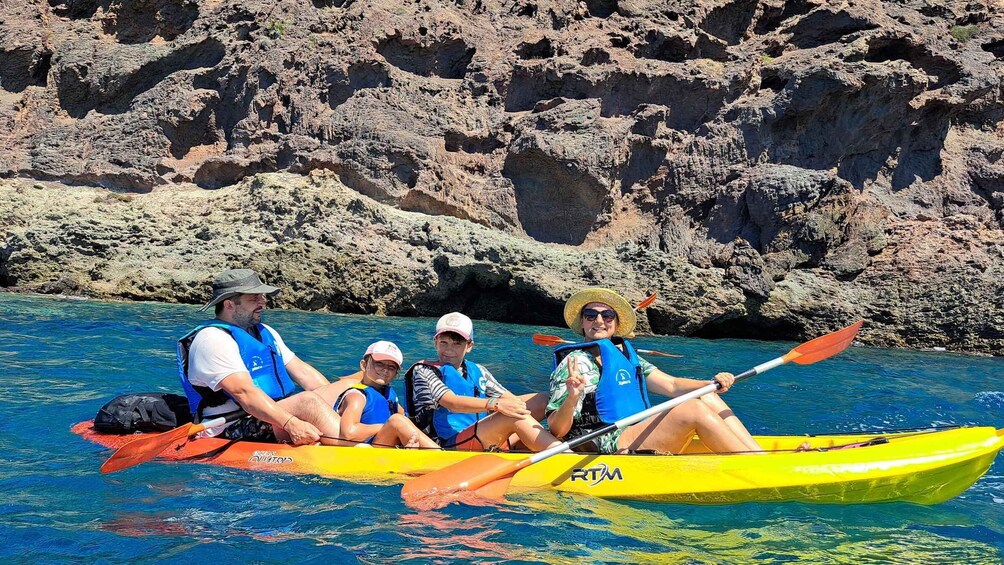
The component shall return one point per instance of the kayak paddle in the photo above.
(491, 474)
(647, 302)
(143, 449)
(551, 340)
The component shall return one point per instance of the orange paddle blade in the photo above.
(439, 488)
(496, 489)
(647, 302)
(824, 346)
(549, 340)
(146, 448)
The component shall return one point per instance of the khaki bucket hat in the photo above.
(232, 282)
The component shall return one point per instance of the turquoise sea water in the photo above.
(60, 360)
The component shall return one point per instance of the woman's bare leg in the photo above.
(533, 435)
(673, 431)
(719, 406)
(536, 403)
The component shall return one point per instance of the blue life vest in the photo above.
(622, 390)
(261, 358)
(379, 408)
(448, 424)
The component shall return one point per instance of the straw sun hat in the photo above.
(626, 319)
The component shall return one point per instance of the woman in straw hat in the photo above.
(603, 380)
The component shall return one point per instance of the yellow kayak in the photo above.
(925, 467)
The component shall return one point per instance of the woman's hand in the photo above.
(561, 420)
(575, 384)
(725, 380)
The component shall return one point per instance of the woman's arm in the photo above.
(667, 385)
(571, 385)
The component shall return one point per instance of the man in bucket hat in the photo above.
(235, 361)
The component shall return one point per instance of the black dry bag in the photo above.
(142, 412)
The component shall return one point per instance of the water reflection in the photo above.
(454, 539)
(750, 532)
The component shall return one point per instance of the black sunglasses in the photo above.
(590, 314)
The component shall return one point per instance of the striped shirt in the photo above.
(429, 389)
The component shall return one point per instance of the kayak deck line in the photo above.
(926, 468)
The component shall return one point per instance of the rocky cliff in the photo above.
(773, 169)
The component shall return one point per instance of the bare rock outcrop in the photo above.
(326, 245)
(774, 169)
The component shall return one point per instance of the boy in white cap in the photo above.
(461, 402)
(370, 411)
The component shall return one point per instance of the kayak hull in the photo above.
(922, 467)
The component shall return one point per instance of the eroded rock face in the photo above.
(326, 245)
(775, 169)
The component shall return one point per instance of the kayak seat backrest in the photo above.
(420, 416)
(559, 355)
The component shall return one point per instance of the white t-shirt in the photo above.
(214, 355)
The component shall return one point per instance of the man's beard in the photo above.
(248, 321)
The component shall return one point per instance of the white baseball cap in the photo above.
(385, 351)
(457, 323)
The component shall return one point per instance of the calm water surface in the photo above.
(60, 360)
